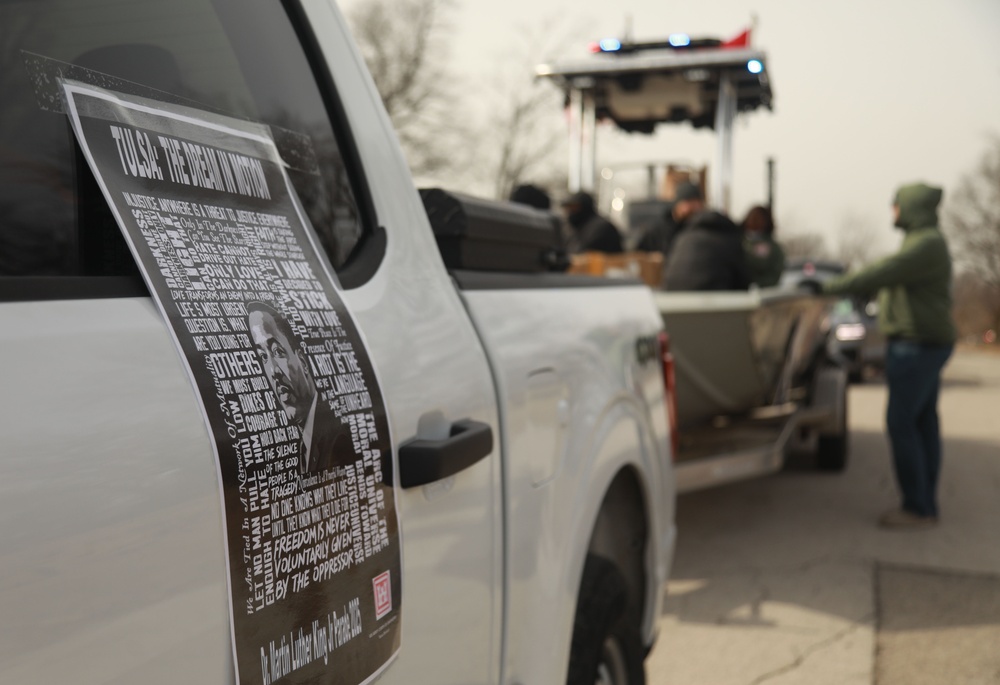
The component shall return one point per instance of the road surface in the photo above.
(787, 580)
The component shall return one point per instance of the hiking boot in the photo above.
(901, 518)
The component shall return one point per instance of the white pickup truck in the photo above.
(529, 461)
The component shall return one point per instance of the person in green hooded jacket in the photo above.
(914, 287)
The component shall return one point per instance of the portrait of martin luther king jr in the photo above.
(326, 442)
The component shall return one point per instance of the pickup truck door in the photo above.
(111, 528)
(434, 372)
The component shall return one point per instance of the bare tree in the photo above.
(525, 125)
(975, 307)
(404, 44)
(804, 246)
(971, 219)
(856, 241)
(524, 140)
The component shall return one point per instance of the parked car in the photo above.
(799, 270)
(855, 340)
(851, 329)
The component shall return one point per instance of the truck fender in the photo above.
(627, 467)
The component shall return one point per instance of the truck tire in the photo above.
(606, 648)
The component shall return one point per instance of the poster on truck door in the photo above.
(289, 393)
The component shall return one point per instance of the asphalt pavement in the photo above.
(787, 579)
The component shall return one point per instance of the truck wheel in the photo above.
(606, 648)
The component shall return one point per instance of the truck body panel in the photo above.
(112, 556)
(579, 405)
(114, 566)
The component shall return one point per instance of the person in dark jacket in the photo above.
(765, 257)
(707, 253)
(914, 287)
(659, 237)
(590, 230)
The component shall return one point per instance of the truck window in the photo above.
(241, 58)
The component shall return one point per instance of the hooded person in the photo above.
(707, 253)
(914, 287)
(589, 230)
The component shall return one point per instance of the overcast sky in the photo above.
(867, 93)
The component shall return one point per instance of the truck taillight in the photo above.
(670, 385)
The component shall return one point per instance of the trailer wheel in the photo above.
(829, 394)
(606, 648)
(832, 449)
(831, 453)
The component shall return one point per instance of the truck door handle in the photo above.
(425, 461)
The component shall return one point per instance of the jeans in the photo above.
(913, 373)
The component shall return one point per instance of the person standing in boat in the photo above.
(659, 237)
(765, 257)
(707, 253)
(914, 287)
(589, 230)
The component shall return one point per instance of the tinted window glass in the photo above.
(236, 57)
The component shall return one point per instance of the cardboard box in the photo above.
(645, 266)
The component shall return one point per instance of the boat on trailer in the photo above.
(750, 370)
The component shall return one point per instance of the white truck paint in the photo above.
(112, 566)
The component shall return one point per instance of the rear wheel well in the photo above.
(620, 535)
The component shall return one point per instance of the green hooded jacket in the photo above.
(914, 284)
